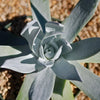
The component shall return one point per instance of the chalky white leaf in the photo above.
(78, 18)
(85, 49)
(64, 70)
(16, 64)
(44, 82)
(89, 83)
(35, 37)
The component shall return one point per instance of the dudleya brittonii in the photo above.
(54, 53)
(48, 47)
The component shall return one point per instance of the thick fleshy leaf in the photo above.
(41, 12)
(7, 51)
(62, 90)
(79, 17)
(93, 59)
(90, 83)
(23, 93)
(84, 49)
(65, 70)
(43, 85)
(33, 35)
(7, 38)
(19, 63)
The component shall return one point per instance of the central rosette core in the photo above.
(49, 51)
(50, 48)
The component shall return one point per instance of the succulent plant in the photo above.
(53, 53)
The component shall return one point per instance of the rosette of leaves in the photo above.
(53, 53)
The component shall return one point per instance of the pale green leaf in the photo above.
(84, 49)
(41, 11)
(62, 90)
(42, 86)
(78, 18)
(23, 93)
(89, 84)
(65, 70)
(7, 51)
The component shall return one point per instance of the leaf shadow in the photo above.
(40, 17)
(16, 42)
(59, 86)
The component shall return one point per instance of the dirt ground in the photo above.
(15, 12)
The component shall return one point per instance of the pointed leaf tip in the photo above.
(64, 70)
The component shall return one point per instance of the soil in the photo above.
(15, 12)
